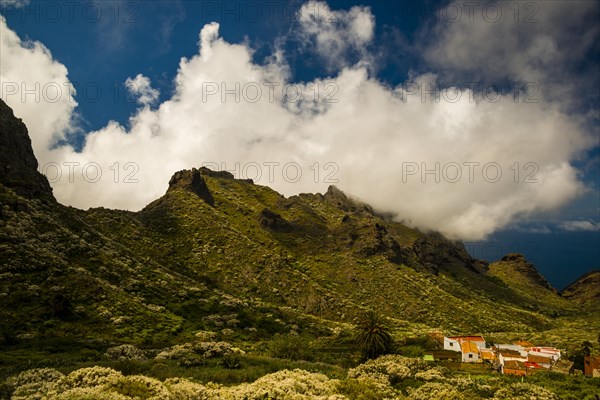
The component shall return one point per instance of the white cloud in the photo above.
(538, 42)
(37, 88)
(575, 226)
(141, 87)
(335, 32)
(373, 133)
(14, 3)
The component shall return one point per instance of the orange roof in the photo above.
(468, 338)
(469, 347)
(487, 354)
(523, 343)
(538, 359)
(514, 364)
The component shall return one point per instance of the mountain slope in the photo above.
(522, 276)
(221, 254)
(585, 289)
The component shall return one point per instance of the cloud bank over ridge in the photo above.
(454, 159)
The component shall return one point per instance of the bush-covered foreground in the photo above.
(387, 377)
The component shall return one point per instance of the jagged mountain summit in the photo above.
(214, 246)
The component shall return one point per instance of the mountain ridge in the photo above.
(214, 246)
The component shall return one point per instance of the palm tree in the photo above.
(373, 336)
(586, 348)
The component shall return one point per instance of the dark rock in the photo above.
(18, 165)
(345, 203)
(434, 249)
(273, 221)
(191, 180)
(222, 175)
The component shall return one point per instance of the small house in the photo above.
(591, 366)
(469, 351)
(514, 367)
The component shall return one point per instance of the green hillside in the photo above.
(234, 261)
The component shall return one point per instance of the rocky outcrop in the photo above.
(18, 165)
(434, 251)
(345, 203)
(523, 268)
(192, 181)
(272, 221)
(221, 175)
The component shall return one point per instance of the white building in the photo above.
(454, 342)
(470, 351)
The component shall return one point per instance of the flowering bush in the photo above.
(88, 394)
(288, 385)
(527, 391)
(436, 390)
(176, 352)
(138, 386)
(88, 378)
(432, 374)
(125, 352)
(394, 367)
(215, 349)
(34, 382)
(183, 389)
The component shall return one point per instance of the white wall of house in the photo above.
(546, 352)
(470, 357)
(514, 347)
(451, 344)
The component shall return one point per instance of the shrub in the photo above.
(125, 352)
(183, 389)
(286, 384)
(139, 386)
(34, 382)
(291, 347)
(527, 391)
(231, 361)
(88, 378)
(436, 390)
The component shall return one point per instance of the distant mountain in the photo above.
(218, 253)
(523, 277)
(585, 289)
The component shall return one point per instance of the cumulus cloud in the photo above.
(37, 88)
(542, 43)
(575, 226)
(333, 33)
(453, 160)
(141, 88)
(14, 3)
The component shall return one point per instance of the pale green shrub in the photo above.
(524, 391)
(125, 352)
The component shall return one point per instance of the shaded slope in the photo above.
(585, 289)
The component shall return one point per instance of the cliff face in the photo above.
(18, 165)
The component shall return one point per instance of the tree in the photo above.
(586, 348)
(373, 336)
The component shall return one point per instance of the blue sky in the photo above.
(554, 45)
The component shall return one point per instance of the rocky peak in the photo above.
(221, 175)
(524, 268)
(345, 203)
(18, 165)
(192, 181)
